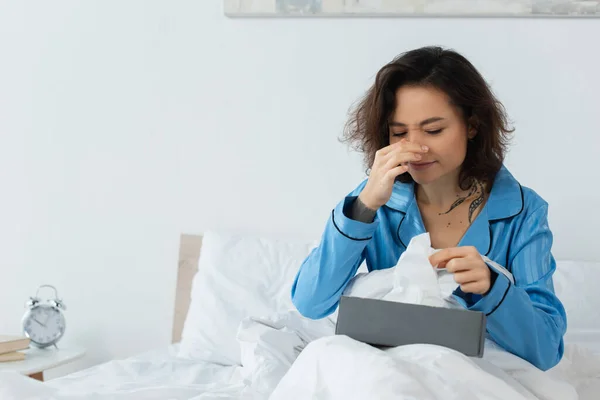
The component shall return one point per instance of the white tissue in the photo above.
(413, 280)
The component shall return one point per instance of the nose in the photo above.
(415, 135)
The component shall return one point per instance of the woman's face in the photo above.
(424, 115)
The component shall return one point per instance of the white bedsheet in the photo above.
(161, 375)
(155, 375)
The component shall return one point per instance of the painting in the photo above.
(331, 8)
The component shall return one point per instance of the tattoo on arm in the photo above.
(360, 212)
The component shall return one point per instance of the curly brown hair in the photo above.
(368, 126)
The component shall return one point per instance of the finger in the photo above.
(472, 275)
(445, 255)
(464, 277)
(397, 159)
(477, 287)
(381, 154)
(459, 264)
(394, 172)
(407, 147)
(412, 147)
(403, 146)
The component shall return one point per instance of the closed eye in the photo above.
(398, 133)
(434, 132)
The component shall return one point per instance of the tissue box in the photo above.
(389, 324)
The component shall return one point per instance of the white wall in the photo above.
(124, 123)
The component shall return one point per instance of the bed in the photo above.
(217, 352)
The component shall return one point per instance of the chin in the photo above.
(426, 176)
(422, 178)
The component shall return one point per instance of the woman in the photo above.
(434, 138)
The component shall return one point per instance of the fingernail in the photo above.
(425, 148)
(418, 156)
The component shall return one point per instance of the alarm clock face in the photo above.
(44, 325)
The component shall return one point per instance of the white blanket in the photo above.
(287, 356)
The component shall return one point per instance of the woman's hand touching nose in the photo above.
(390, 162)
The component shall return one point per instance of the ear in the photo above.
(472, 126)
(472, 133)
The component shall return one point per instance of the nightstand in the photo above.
(39, 360)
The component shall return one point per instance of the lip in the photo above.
(420, 166)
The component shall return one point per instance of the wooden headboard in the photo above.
(189, 254)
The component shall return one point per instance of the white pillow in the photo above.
(238, 276)
(575, 283)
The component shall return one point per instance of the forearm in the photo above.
(529, 322)
(328, 269)
(360, 212)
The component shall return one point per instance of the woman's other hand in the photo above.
(470, 271)
(390, 162)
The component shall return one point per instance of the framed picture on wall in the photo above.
(389, 8)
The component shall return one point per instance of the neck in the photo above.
(440, 193)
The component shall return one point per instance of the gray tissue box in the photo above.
(389, 324)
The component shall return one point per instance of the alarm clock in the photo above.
(44, 322)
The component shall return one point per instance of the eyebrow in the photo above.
(424, 122)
